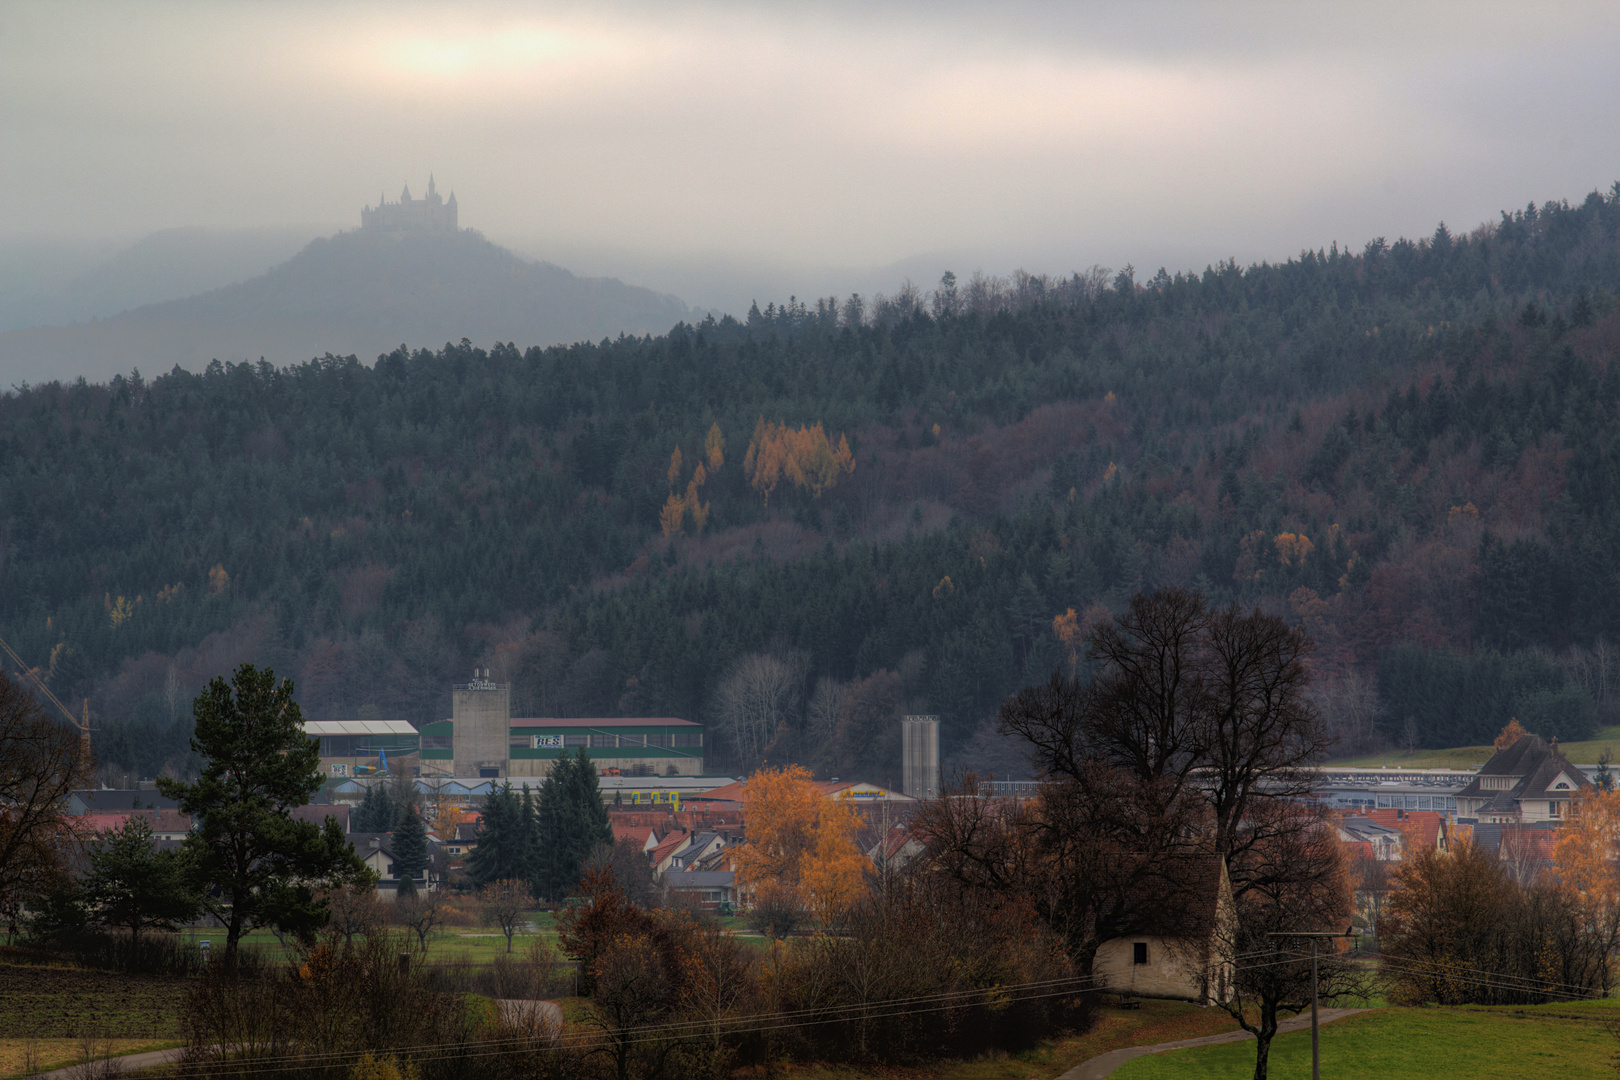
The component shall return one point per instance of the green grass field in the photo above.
(475, 945)
(1553, 1042)
(1466, 757)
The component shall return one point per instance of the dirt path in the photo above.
(1104, 1064)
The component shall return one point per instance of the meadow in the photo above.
(1550, 1042)
(1585, 752)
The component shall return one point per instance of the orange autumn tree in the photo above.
(1588, 859)
(1510, 734)
(802, 456)
(1588, 850)
(833, 875)
(799, 842)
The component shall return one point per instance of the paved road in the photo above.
(1104, 1064)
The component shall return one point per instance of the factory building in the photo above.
(483, 740)
(360, 747)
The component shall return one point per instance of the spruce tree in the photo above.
(573, 822)
(375, 813)
(504, 840)
(410, 851)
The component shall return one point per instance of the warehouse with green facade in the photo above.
(482, 739)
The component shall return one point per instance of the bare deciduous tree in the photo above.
(423, 913)
(501, 904)
(1302, 889)
(821, 714)
(353, 911)
(1350, 709)
(171, 692)
(756, 700)
(41, 760)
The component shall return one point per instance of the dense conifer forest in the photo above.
(1413, 451)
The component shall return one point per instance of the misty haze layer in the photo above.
(357, 293)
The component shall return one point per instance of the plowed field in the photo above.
(64, 1003)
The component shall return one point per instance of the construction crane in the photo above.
(32, 674)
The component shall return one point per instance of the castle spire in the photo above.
(430, 184)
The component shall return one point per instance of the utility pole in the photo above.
(1314, 936)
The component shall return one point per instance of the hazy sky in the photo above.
(625, 136)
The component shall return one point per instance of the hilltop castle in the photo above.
(427, 214)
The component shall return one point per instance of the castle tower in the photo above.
(428, 214)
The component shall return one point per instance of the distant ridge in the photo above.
(363, 292)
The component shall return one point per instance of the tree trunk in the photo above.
(1263, 1037)
(233, 934)
(1262, 1057)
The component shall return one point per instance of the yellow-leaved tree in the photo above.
(674, 467)
(802, 456)
(697, 508)
(672, 517)
(714, 448)
(799, 842)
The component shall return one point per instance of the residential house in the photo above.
(166, 824)
(1526, 849)
(1528, 782)
(376, 850)
(1185, 953)
(1380, 842)
(317, 813)
(117, 800)
(1385, 835)
(710, 890)
(682, 857)
(462, 841)
(895, 848)
(643, 836)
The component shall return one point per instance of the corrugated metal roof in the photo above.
(359, 727)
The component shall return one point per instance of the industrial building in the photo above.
(483, 740)
(359, 747)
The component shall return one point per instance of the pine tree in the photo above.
(261, 865)
(133, 887)
(410, 851)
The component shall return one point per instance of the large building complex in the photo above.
(483, 740)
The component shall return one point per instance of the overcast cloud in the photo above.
(647, 140)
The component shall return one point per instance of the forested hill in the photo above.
(361, 291)
(1411, 450)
